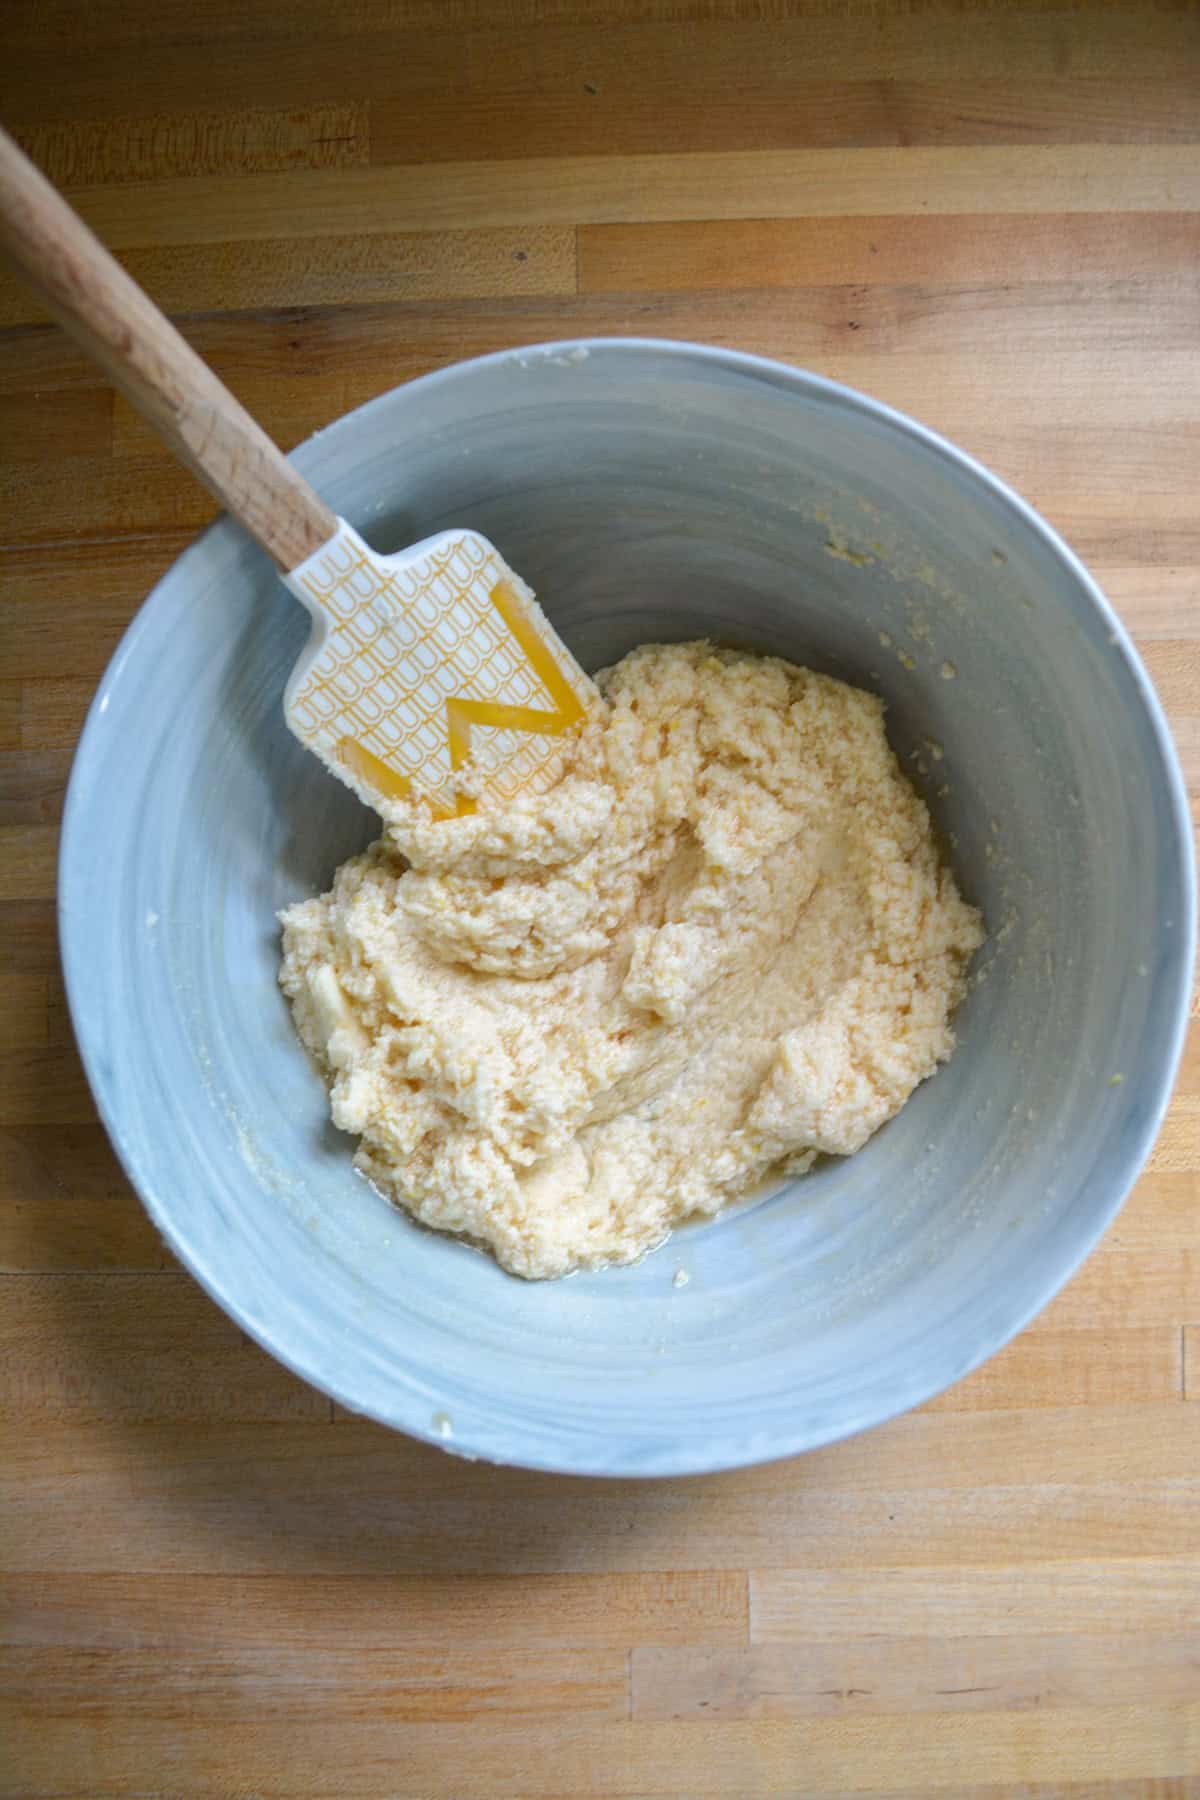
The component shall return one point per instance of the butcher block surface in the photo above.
(214, 1583)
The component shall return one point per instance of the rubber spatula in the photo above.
(430, 675)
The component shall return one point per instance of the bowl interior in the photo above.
(648, 492)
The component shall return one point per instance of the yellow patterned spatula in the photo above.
(432, 674)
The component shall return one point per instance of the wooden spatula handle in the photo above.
(142, 353)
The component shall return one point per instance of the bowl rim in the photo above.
(583, 1455)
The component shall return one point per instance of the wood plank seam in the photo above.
(578, 191)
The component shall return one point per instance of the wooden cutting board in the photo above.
(213, 1584)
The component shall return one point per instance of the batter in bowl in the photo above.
(723, 945)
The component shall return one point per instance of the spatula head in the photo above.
(432, 675)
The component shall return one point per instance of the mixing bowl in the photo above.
(649, 491)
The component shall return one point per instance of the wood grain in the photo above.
(86, 152)
(391, 343)
(373, 1613)
(943, 1490)
(64, 1199)
(97, 588)
(591, 190)
(848, 252)
(293, 1748)
(52, 713)
(331, 271)
(923, 1674)
(754, 75)
(211, 1581)
(134, 1369)
(28, 855)
(10, 714)
(1141, 1593)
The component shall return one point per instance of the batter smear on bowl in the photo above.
(723, 945)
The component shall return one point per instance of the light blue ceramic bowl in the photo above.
(649, 491)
